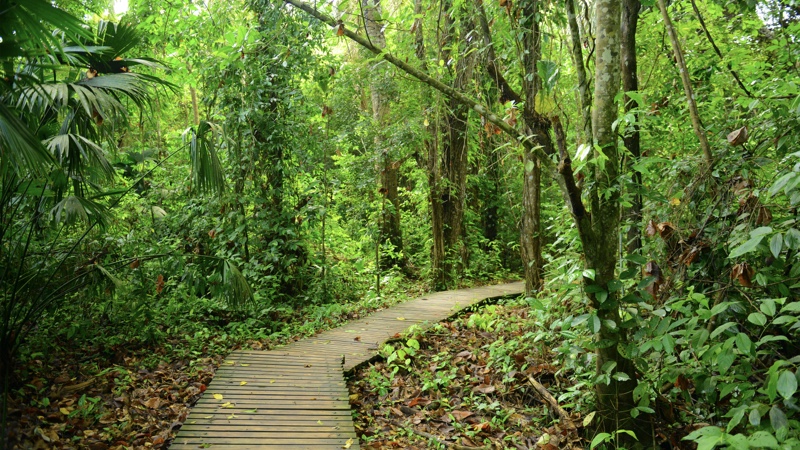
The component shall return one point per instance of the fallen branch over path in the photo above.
(548, 397)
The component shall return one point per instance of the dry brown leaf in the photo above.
(651, 229)
(738, 137)
(743, 273)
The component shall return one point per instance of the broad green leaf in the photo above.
(772, 383)
(747, 247)
(787, 384)
(762, 439)
(781, 183)
(757, 318)
(777, 418)
(725, 360)
(737, 442)
(743, 343)
(792, 238)
(720, 329)
(767, 306)
(599, 439)
(736, 418)
(594, 323)
(791, 307)
(776, 244)
(754, 417)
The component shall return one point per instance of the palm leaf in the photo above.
(19, 148)
(237, 291)
(207, 173)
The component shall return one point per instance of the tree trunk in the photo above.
(453, 167)
(431, 166)
(530, 236)
(391, 237)
(584, 96)
(687, 84)
(614, 397)
(630, 19)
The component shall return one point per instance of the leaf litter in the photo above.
(461, 393)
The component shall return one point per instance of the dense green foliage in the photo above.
(196, 175)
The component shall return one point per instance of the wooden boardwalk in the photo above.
(296, 397)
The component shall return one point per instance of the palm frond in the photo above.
(207, 173)
(26, 28)
(75, 208)
(76, 153)
(237, 290)
(19, 148)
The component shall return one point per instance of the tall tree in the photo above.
(391, 233)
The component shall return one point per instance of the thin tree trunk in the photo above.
(530, 236)
(687, 84)
(584, 96)
(632, 140)
(431, 144)
(391, 234)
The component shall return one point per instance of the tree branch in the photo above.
(483, 110)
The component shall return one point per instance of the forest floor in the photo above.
(112, 392)
(463, 384)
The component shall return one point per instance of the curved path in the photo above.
(295, 397)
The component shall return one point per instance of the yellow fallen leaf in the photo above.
(242, 383)
(348, 444)
(244, 365)
(271, 381)
(232, 416)
(227, 405)
(207, 417)
(218, 396)
(401, 318)
(230, 363)
(193, 422)
(319, 422)
(64, 411)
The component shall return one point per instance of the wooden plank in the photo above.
(181, 446)
(256, 441)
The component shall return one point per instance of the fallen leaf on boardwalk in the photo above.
(401, 318)
(232, 416)
(319, 422)
(244, 365)
(357, 338)
(207, 417)
(230, 363)
(242, 383)
(271, 381)
(218, 396)
(227, 405)
(348, 444)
